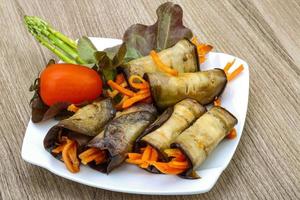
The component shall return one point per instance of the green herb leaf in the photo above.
(166, 32)
(86, 50)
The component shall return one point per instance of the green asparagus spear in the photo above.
(59, 44)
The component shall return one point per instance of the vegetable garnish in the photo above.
(68, 149)
(121, 89)
(235, 73)
(149, 157)
(72, 108)
(217, 102)
(161, 65)
(92, 154)
(202, 49)
(60, 83)
(138, 82)
(129, 97)
(136, 98)
(232, 134)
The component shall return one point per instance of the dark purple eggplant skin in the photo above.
(54, 138)
(121, 133)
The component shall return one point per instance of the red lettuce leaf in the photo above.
(166, 32)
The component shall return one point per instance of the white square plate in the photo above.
(131, 179)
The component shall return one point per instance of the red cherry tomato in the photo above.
(69, 83)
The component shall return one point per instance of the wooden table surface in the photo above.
(265, 33)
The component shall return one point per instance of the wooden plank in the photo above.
(264, 33)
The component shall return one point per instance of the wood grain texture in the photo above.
(265, 33)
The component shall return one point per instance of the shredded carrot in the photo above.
(120, 78)
(135, 162)
(113, 93)
(92, 154)
(235, 73)
(69, 156)
(149, 156)
(161, 65)
(154, 155)
(138, 82)
(88, 152)
(232, 134)
(166, 169)
(229, 65)
(121, 89)
(134, 156)
(195, 41)
(136, 98)
(217, 102)
(72, 108)
(202, 49)
(178, 164)
(59, 148)
(119, 106)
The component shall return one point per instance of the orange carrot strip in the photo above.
(92, 157)
(203, 49)
(100, 160)
(120, 78)
(132, 100)
(173, 152)
(136, 162)
(178, 165)
(88, 152)
(66, 158)
(72, 108)
(143, 91)
(235, 73)
(161, 65)
(154, 155)
(59, 148)
(195, 41)
(134, 156)
(113, 93)
(142, 83)
(120, 104)
(121, 89)
(73, 156)
(232, 134)
(229, 65)
(217, 102)
(164, 168)
(147, 153)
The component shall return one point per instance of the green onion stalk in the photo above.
(64, 47)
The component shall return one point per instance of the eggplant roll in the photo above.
(182, 115)
(87, 122)
(119, 135)
(182, 56)
(202, 86)
(199, 140)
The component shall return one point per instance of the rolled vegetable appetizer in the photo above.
(118, 137)
(182, 57)
(202, 86)
(199, 140)
(168, 126)
(68, 138)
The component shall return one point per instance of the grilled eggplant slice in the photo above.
(82, 126)
(182, 56)
(120, 134)
(183, 115)
(91, 119)
(202, 86)
(199, 140)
